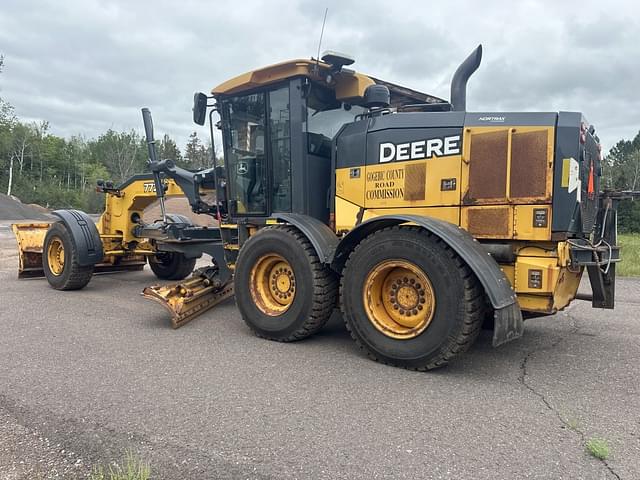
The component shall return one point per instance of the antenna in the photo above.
(326, 10)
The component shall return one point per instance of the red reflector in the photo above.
(590, 186)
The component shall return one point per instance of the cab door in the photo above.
(257, 140)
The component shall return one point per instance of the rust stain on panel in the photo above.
(488, 165)
(493, 222)
(415, 180)
(528, 164)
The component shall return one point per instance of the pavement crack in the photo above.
(524, 373)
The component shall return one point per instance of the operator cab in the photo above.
(277, 126)
(264, 130)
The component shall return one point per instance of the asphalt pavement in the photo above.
(86, 376)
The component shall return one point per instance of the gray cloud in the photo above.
(89, 65)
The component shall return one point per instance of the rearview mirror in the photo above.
(199, 107)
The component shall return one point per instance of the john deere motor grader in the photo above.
(420, 220)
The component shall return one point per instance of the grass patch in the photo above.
(573, 423)
(598, 447)
(630, 254)
(132, 469)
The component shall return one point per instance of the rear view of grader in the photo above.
(419, 220)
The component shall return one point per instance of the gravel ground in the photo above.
(12, 209)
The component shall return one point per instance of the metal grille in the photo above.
(490, 222)
(589, 203)
(488, 165)
(529, 164)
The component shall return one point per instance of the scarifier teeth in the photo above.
(188, 299)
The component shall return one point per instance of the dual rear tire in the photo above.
(407, 299)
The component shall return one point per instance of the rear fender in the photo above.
(507, 315)
(84, 234)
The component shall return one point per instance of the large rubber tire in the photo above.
(171, 265)
(69, 275)
(316, 286)
(457, 311)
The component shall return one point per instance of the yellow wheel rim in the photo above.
(399, 299)
(272, 284)
(55, 256)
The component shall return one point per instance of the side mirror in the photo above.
(199, 107)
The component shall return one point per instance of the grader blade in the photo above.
(30, 237)
(188, 299)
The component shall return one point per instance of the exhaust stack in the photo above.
(460, 78)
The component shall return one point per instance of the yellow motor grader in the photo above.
(418, 219)
(71, 249)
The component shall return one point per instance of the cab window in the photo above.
(324, 117)
(245, 155)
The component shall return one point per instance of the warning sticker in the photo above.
(570, 174)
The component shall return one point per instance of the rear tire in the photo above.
(171, 265)
(60, 260)
(282, 290)
(388, 277)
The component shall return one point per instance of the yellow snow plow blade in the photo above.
(189, 298)
(30, 238)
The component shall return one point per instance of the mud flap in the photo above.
(507, 324)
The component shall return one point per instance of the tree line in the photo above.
(621, 172)
(39, 167)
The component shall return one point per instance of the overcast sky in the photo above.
(89, 65)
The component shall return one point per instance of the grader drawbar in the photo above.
(419, 220)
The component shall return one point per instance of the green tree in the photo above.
(196, 155)
(168, 150)
(622, 172)
(622, 165)
(122, 153)
(6, 110)
(20, 151)
(7, 122)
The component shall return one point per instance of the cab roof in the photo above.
(348, 85)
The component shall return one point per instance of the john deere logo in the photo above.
(434, 147)
(242, 168)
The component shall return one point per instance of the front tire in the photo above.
(171, 265)
(60, 260)
(282, 290)
(409, 301)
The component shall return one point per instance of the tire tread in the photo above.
(79, 276)
(474, 306)
(325, 289)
